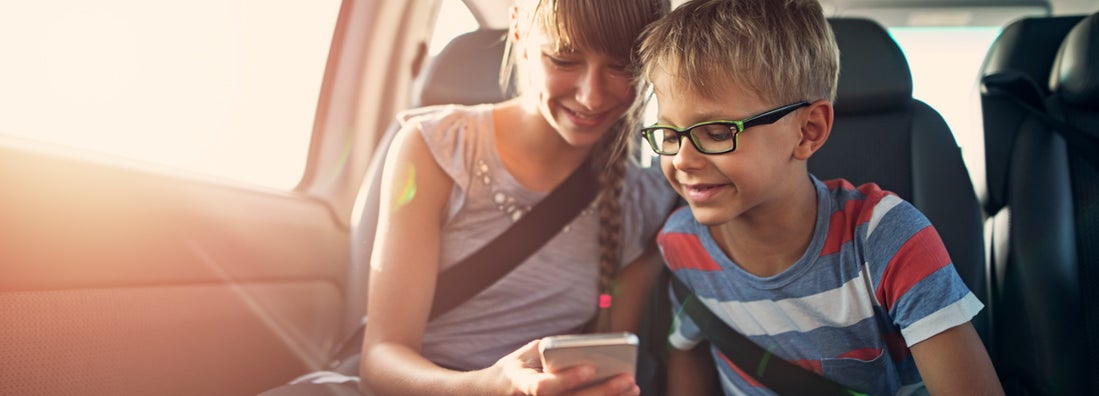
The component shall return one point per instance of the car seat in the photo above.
(882, 134)
(1028, 46)
(1043, 197)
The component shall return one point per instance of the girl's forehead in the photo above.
(572, 30)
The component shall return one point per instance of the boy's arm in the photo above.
(955, 362)
(691, 372)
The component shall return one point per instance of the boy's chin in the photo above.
(709, 217)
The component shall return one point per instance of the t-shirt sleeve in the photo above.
(647, 199)
(915, 279)
(685, 334)
(447, 131)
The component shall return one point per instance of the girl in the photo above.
(457, 176)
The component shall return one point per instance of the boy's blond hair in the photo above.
(783, 50)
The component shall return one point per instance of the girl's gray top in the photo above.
(552, 292)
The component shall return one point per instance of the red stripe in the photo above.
(811, 365)
(842, 223)
(865, 354)
(838, 183)
(744, 376)
(920, 256)
(874, 195)
(684, 251)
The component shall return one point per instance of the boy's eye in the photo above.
(714, 132)
(622, 69)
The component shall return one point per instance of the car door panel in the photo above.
(118, 280)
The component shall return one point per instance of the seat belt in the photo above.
(777, 374)
(498, 257)
(482, 268)
(1021, 89)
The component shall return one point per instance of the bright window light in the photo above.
(453, 19)
(221, 88)
(946, 66)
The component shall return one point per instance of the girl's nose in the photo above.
(592, 89)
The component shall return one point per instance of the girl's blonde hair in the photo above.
(783, 50)
(609, 27)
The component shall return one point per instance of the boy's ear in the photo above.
(816, 126)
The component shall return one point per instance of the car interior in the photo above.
(124, 276)
(1041, 186)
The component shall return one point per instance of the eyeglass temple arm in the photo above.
(774, 115)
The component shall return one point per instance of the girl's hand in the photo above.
(522, 370)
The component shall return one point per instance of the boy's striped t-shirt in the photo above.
(875, 280)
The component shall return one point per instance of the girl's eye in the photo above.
(559, 61)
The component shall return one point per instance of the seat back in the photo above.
(1044, 225)
(465, 72)
(882, 134)
(1027, 45)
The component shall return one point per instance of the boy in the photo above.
(852, 283)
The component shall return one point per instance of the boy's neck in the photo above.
(771, 238)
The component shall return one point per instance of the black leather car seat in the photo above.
(1044, 202)
(882, 134)
(1028, 46)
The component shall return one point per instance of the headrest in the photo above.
(466, 71)
(874, 74)
(1075, 76)
(1028, 45)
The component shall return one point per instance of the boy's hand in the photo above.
(522, 370)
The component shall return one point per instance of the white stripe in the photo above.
(914, 389)
(840, 307)
(680, 342)
(959, 312)
(728, 384)
(887, 202)
(864, 273)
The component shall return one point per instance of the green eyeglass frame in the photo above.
(719, 137)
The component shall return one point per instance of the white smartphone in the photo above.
(610, 353)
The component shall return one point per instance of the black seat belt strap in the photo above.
(776, 373)
(482, 268)
(491, 262)
(1022, 90)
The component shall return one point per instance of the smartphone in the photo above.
(610, 353)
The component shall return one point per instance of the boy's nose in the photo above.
(688, 156)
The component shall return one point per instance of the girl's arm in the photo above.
(633, 285)
(955, 362)
(404, 268)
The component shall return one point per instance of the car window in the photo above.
(946, 64)
(453, 19)
(226, 88)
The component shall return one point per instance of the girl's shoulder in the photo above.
(443, 116)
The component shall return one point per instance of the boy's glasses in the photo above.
(711, 137)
